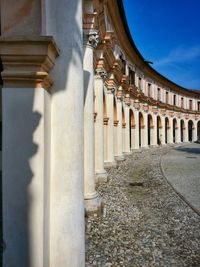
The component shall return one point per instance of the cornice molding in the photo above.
(27, 61)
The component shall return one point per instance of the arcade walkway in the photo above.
(145, 222)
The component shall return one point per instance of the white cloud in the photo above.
(179, 55)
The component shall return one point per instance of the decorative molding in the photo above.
(95, 116)
(116, 123)
(101, 73)
(119, 94)
(123, 125)
(136, 104)
(105, 121)
(127, 99)
(27, 61)
(145, 107)
(91, 38)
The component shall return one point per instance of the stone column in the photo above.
(92, 201)
(26, 146)
(67, 237)
(195, 131)
(136, 130)
(119, 155)
(105, 130)
(145, 131)
(171, 130)
(127, 129)
(178, 131)
(110, 161)
(186, 131)
(155, 132)
(163, 129)
(101, 174)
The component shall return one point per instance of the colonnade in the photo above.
(123, 124)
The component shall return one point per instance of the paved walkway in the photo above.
(181, 167)
(145, 223)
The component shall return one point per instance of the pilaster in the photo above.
(101, 174)
(119, 154)
(127, 129)
(92, 200)
(110, 161)
(27, 62)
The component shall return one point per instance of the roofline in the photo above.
(130, 38)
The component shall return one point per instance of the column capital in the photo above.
(111, 86)
(27, 61)
(136, 104)
(91, 38)
(101, 73)
(127, 100)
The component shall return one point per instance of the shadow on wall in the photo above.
(63, 25)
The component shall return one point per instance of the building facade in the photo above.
(77, 97)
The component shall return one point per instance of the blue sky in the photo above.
(167, 32)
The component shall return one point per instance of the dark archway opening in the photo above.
(182, 130)
(141, 126)
(150, 128)
(174, 130)
(190, 130)
(198, 131)
(167, 127)
(159, 127)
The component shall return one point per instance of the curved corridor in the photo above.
(145, 223)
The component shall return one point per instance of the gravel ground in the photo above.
(144, 222)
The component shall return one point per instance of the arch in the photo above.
(198, 130)
(167, 129)
(190, 130)
(150, 129)
(141, 128)
(182, 123)
(174, 130)
(131, 128)
(159, 130)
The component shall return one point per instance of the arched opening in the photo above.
(132, 128)
(190, 130)
(198, 131)
(150, 130)
(159, 131)
(167, 129)
(141, 129)
(182, 131)
(174, 130)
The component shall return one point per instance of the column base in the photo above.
(101, 177)
(135, 148)
(153, 146)
(93, 205)
(144, 147)
(128, 153)
(110, 164)
(164, 144)
(120, 158)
